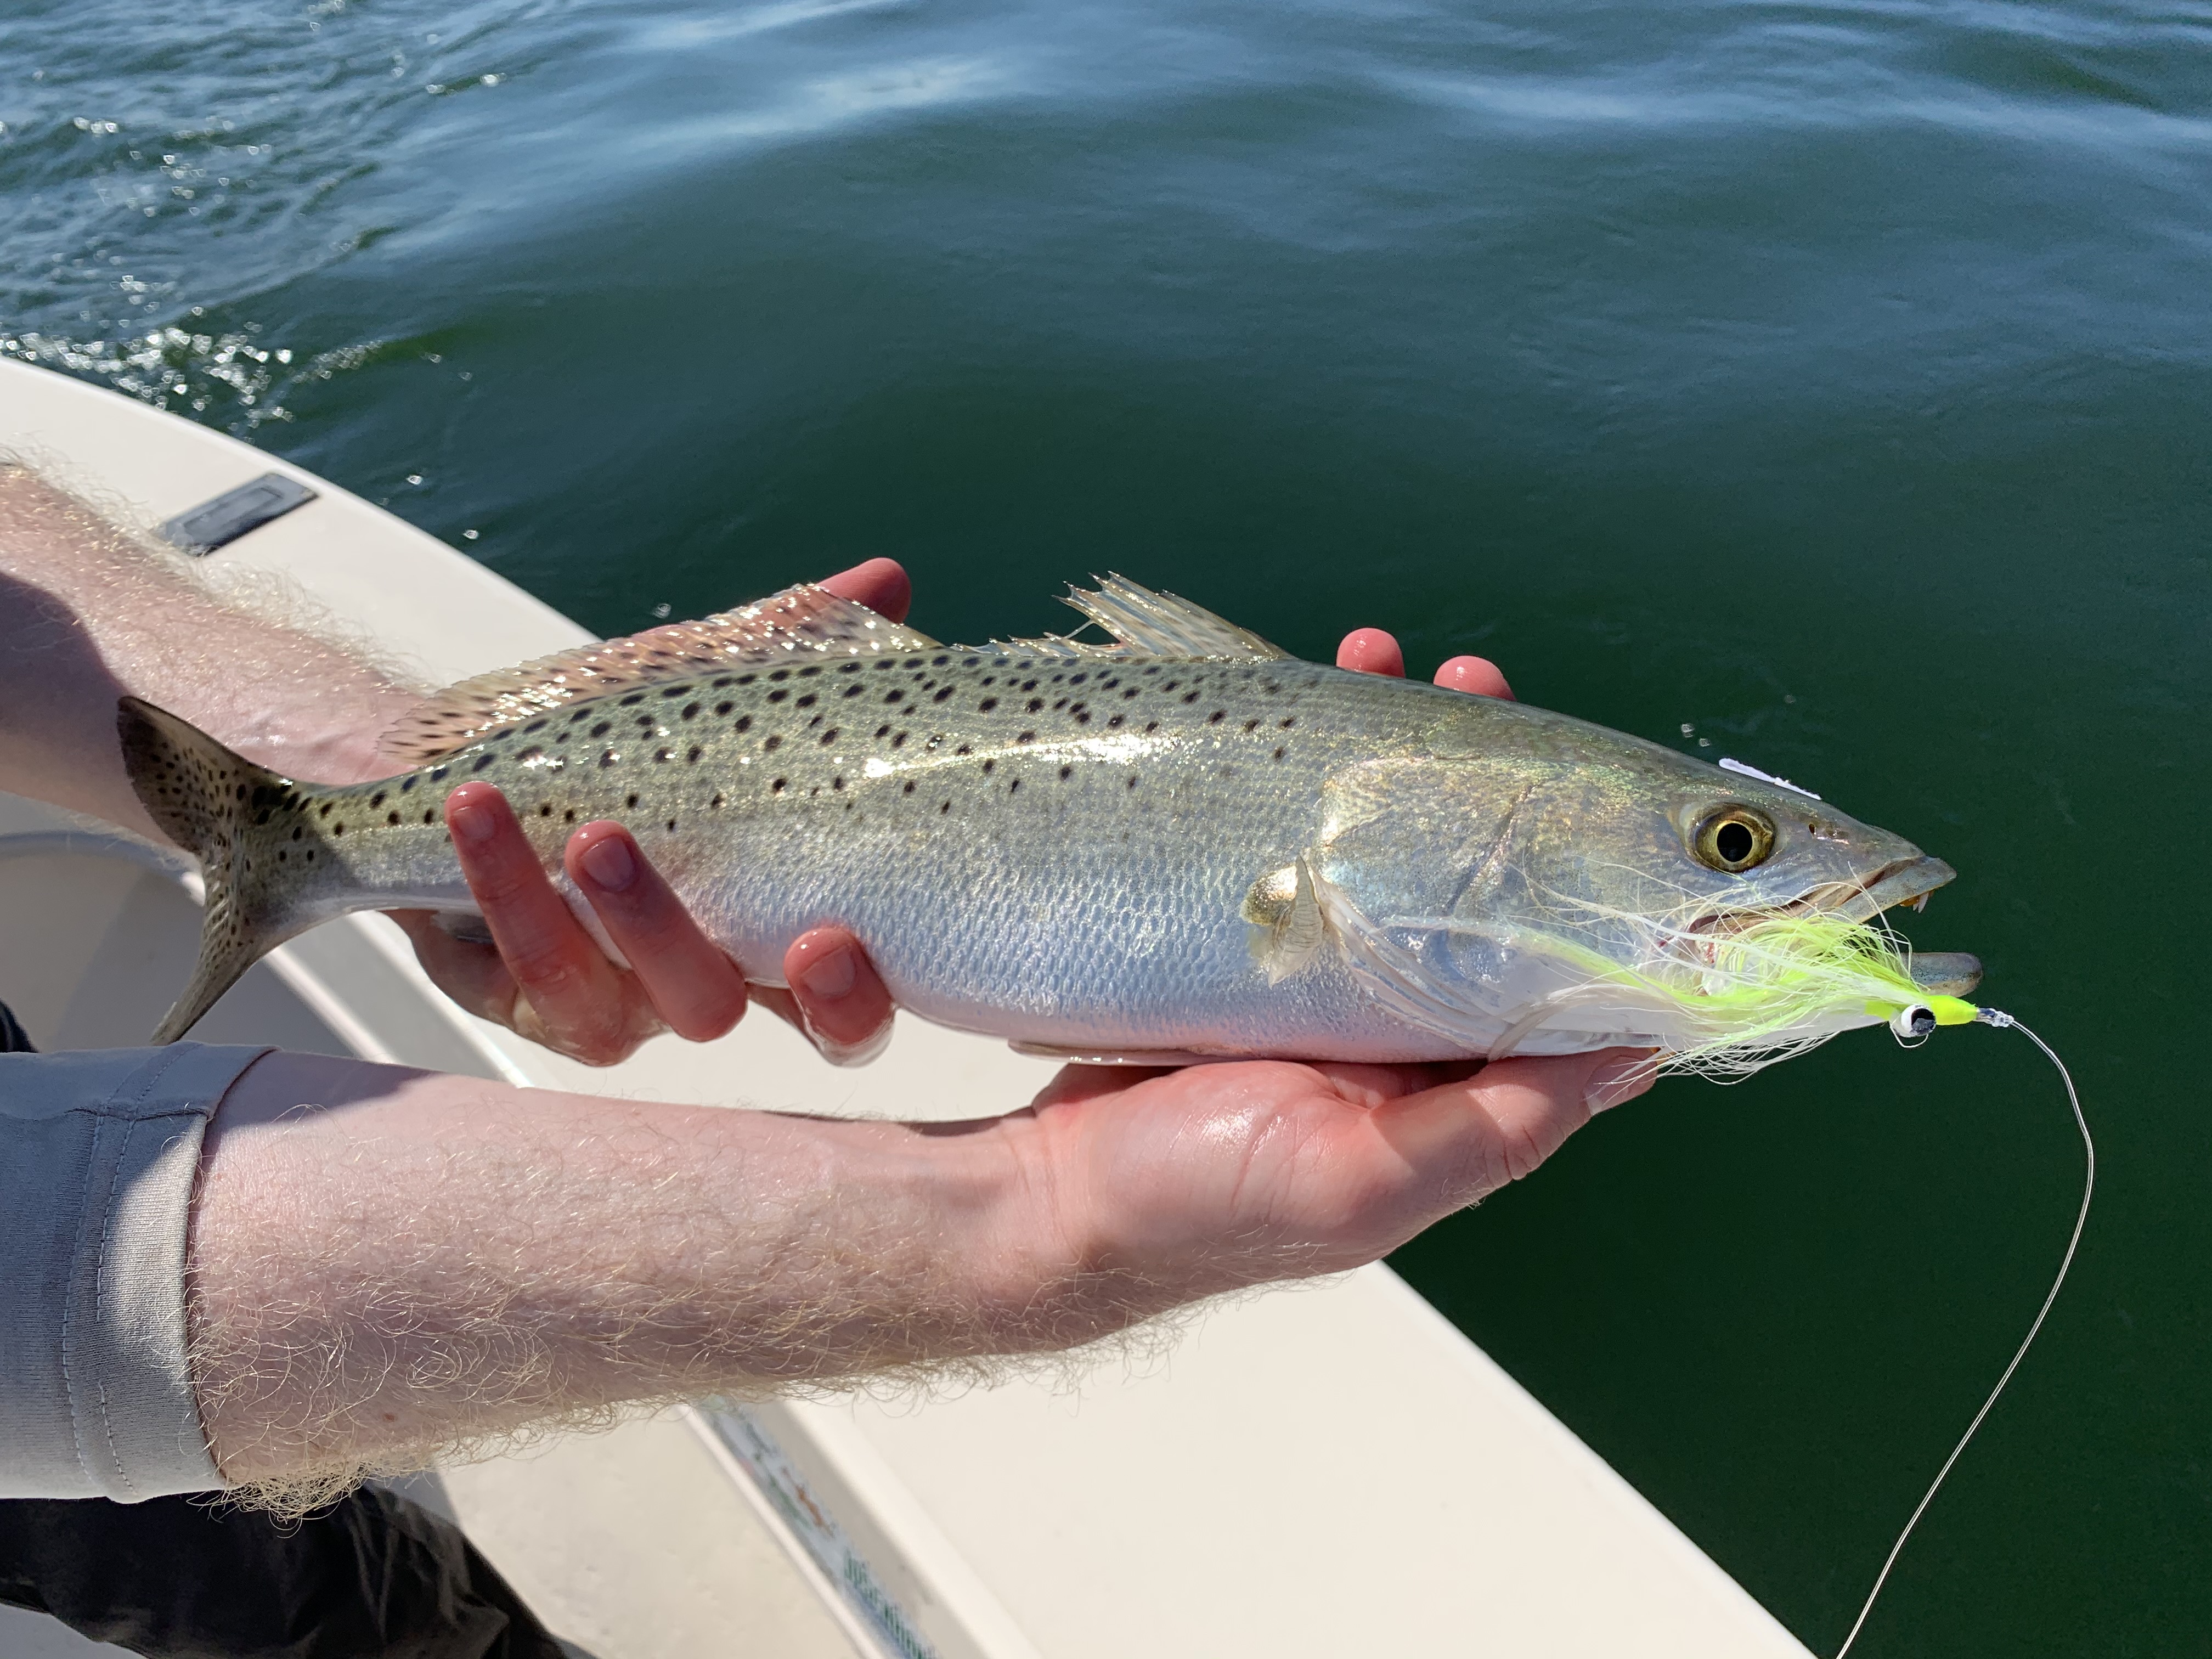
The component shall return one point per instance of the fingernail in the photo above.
(609, 863)
(473, 821)
(830, 976)
(1618, 1080)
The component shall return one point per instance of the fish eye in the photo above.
(1733, 838)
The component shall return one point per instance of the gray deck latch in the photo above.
(221, 521)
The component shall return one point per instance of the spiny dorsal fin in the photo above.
(800, 622)
(1148, 624)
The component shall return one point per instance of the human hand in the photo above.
(1175, 1185)
(546, 978)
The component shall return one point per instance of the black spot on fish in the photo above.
(810, 671)
(943, 807)
(546, 809)
(429, 817)
(776, 788)
(986, 705)
(1066, 773)
(848, 668)
(942, 694)
(664, 755)
(771, 743)
(534, 727)
(1279, 752)
(1076, 679)
(894, 696)
(1152, 725)
(717, 802)
(674, 691)
(672, 826)
(1190, 696)
(407, 783)
(1133, 779)
(988, 765)
(1026, 736)
(965, 749)
(376, 800)
(1251, 726)
(610, 757)
(907, 789)
(1114, 720)
(829, 737)
(725, 707)
(600, 730)
(690, 711)
(806, 702)
(744, 723)
(1216, 717)
(581, 714)
(324, 810)
(721, 684)
(633, 700)
(338, 829)
(1036, 703)
(631, 801)
(482, 760)
(855, 691)
(779, 696)
(1061, 703)
(568, 817)
(897, 740)
(1014, 787)
(297, 832)
(837, 783)
(1287, 722)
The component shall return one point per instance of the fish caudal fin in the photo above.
(206, 799)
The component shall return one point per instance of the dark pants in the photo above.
(373, 1576)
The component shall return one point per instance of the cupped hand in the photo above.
(1170, 1186)
(544, 978)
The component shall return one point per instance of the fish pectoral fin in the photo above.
(1148, 624)
(1946, 973)
(799, 625)
(1287, 923)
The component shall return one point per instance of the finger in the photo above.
(881, 585)
(1371, 650)
(842, 1002)
(696, 990)
(559, 967)
(471, 975)
(1472, 1138)
(1477, 676)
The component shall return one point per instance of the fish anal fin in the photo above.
(1148, 624)
(1075, 1056)
(799, 622)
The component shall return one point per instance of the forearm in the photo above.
(87, 614)
(421, 1261)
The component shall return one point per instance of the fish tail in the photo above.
(217, 806)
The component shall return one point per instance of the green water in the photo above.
(1827, 381)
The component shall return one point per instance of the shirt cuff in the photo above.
(99, 1158)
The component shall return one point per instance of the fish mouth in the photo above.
(1907, 883)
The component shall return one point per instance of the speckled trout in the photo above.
(1183, 843)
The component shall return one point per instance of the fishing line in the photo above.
(1909, 1023)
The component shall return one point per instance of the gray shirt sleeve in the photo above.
(98, 1153)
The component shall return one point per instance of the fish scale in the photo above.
(1097, 850)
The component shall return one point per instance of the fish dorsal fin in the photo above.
(800, 622)
(1148, 624)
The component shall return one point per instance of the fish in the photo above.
(1178, 844)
